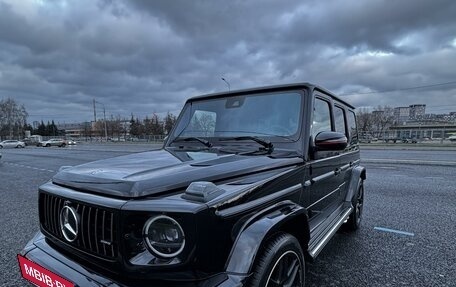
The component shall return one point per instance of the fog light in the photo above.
(164, 237)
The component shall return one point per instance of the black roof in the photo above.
(274, 88)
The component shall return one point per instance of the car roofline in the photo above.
(266, 89)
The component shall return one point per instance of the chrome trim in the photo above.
(323, 198)
(258, 202)
(345, 167)
(69, 230)
(149, 244)
(327, 175)
(314, 252)
(88, 239)
(322, 177)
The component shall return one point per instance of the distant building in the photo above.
(72, 129)
(401, 114)
(416, 112)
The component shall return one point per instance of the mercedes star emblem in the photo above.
(69, 222)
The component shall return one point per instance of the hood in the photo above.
(162, 171)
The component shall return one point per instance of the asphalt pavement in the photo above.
(441, 156)
(406, 238)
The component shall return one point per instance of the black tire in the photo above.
(354, 221)
(1, 146)
(48, 145)
(281, 263)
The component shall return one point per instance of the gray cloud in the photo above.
(149, 56)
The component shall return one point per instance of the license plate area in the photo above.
(40, 276)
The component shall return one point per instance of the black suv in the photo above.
(248, 186)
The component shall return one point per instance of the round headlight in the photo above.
(164, 236)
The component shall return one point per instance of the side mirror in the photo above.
(330, 141)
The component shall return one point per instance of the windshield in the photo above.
(261, 115)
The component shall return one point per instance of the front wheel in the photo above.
(354, 221)
(280, 264)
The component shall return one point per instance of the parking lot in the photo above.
(406, 239)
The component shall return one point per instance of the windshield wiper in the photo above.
(267, 145)
(187, 139)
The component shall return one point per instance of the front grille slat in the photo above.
(51, 213)
(45, 211)
(96, 225)
(112, 234)
(88, 229)
(95, 230)
(82, 228)
(55, 215)
(103, 231)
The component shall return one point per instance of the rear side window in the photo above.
(339, 120)
(352, 128)
(321, 117)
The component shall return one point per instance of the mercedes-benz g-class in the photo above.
(248, 186)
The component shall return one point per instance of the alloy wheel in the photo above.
(287, 271)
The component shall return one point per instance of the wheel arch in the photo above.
(358, 172)
(285, 216)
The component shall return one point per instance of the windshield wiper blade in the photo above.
(267, 145)
(187, 139)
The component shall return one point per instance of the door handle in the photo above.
(337, 171)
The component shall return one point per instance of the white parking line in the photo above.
(409, 161)
(29, 167)
(394, 231)
(434, 177)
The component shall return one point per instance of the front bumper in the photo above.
(38, 251)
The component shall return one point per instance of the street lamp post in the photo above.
(104, 119)
(228, 84)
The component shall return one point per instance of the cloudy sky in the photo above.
(146, 56)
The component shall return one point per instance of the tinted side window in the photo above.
(339, 120)
(352, 128)
(321, 117)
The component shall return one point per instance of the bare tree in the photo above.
(13, 118)
(114, 126)
(169, 122)
(156, 126)
(375, 123)
(364, 121)
(207, 124)
(87, 132)
(382, 119)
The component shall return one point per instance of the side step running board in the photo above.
(317, 249)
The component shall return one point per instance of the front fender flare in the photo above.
(258, 229)
(358, 172)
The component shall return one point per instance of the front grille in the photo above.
(97, 225)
